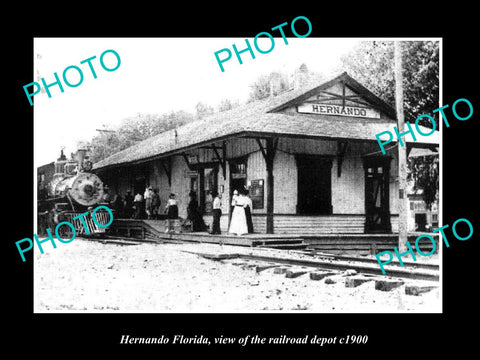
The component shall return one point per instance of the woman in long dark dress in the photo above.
(193, 214)
(248, 212)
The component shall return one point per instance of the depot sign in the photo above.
(338, 110)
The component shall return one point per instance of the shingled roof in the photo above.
(262, 118)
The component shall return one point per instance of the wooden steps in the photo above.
(142, 229)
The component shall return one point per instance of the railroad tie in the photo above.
(387, 284)
(294, 273)
(260, 268)
(354, 281)
(280, 270)
(319, 275)
(417, 289)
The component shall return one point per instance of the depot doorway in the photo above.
(314, 185)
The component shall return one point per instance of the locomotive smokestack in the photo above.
(60, 163)
(62, 156)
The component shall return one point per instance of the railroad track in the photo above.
(353, 275)
(333, 263)
(318, 266)
(408, 263)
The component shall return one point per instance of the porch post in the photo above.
(268, 153)
(269, 157)
(269, 162)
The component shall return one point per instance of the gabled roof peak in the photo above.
(298, 95)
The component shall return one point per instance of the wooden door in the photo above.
(377, 200)
(314, 186)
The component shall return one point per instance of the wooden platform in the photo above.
(154, 230)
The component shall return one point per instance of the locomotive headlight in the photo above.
(87, 189)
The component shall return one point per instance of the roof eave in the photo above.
(254, 134)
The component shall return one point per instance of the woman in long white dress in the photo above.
(238, 224)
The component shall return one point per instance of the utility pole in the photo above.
(402, 150)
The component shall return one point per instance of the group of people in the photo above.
(148, 206)
(241, 221)
(141, 206)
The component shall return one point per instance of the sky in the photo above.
(156, 75)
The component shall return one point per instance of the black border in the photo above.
(94, 333)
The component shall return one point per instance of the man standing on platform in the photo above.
(148, 195)
(217, 213)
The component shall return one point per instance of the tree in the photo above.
(371, 63)
(266, 85)
(277, 82)
(227, 104)
(203, 110)
(424, 175)
(133, 130)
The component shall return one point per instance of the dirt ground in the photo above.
(87, 276)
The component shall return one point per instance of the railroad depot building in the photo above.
(309, 157)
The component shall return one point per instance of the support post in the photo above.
(221, 160)
(269, 154)
(402, 151)
(224, 153)
(167, 167)
(186, 161)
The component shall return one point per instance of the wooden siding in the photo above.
(158, 179)
(240, 147)
(307, 146)
(285, 183)
(333, 224)
(348, 190)
(351, 224)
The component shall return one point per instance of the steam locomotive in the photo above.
(73, 191)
